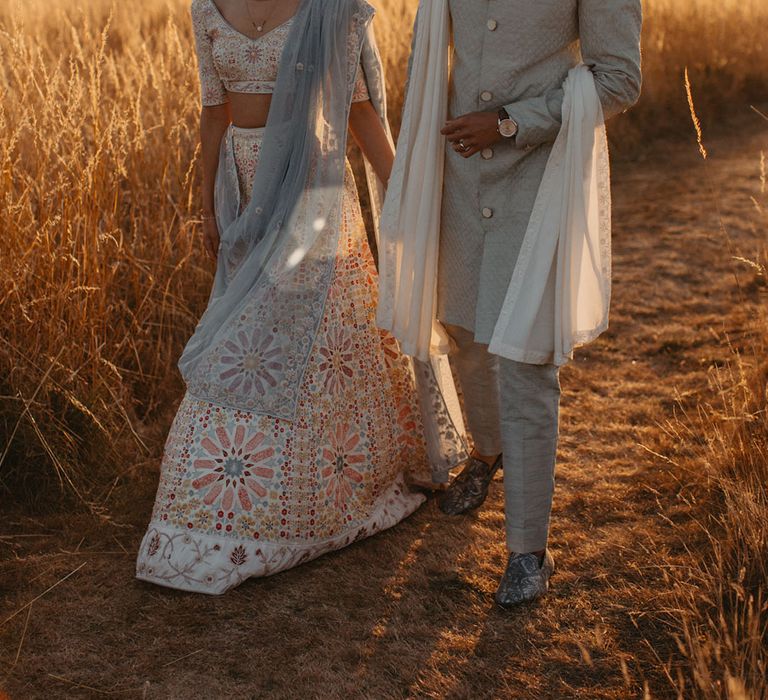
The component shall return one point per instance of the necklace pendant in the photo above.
(260, 28)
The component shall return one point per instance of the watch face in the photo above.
(507, 128)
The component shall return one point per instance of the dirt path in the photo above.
(409, 613)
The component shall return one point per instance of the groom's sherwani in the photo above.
(516, 54)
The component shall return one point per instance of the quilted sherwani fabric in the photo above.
(516, 54)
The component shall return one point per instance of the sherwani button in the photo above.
(487, 213)
(487, 153)
(486, 96)
(492, 24)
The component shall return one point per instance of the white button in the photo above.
(487, 213)
(487, 153)
(486, 96)
(492, 24)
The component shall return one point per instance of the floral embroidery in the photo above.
(253, 54)
(406, 421)
(341, 470)
(337, 358)
(235, 468)
(253, 360)
(246, 153)
(238, 556)
(391, 350)
(154, 545)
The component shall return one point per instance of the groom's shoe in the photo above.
(525, 579)
(470, 488)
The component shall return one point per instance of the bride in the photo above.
(303, 425)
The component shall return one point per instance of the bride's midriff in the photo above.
(249, 111)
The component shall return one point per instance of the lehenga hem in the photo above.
(198, 563)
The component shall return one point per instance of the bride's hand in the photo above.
(211, 236)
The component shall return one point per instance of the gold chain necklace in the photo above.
(259, 26)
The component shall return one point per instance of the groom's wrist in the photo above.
(506, 125)
(517, 114)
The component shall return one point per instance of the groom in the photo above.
(510, 58)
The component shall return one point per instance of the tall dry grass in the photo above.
(100, 280)
(721, 602)
(724, 46)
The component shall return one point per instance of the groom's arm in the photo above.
(609, 33)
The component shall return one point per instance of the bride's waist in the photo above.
(249, 111)
(247, 133)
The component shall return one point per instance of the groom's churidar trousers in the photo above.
(512, 408)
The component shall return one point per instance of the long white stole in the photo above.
(409, 229)
(559, 294)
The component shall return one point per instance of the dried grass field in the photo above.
(661, 517)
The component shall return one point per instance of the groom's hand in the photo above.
(473, 132)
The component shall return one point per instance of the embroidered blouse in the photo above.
(230, 61)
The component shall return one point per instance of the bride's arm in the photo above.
(213, 123)
(368, 132)
(214, 119)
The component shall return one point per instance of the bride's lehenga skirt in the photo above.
(244, 495)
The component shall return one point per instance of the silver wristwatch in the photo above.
(507, 126)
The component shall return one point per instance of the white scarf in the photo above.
(409, 229)
(559, 294)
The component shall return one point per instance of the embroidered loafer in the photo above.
(525, 579)
(470, 488)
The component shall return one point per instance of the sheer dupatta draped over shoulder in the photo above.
(277, 255)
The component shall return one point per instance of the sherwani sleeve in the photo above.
(609, 33)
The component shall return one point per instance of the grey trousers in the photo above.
(512, 408)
